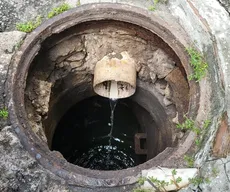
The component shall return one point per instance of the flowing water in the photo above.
(113, 103)
(98, 133)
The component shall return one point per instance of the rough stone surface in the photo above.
(161, 64)
(8, 43)
(215, 174)
(207, 24)
(179, 91)
(226, 5)
(14, 11)
(211, 37)
(218, 172)
(20, 172)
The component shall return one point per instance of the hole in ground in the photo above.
(54, 72)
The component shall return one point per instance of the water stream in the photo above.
(113, 103)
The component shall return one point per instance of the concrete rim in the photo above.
(17, 78)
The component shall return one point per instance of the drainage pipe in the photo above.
(115, 76)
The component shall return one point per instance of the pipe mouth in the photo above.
(114, 89)
(53, 71)
(115, 76)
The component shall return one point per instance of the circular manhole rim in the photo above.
(17, 79)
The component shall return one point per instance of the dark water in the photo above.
(87, 136)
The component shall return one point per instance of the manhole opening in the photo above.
(54, 72)
(60, 80)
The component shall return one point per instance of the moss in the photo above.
(153, 7)
(141, 190)
(155, 3)
(18, 45)
(4, 113)
(189, 160)
(30, 25)
(58, 10)
(189, 124)
(78, 3)
(199, 180)
(198, 64)
(141, 180)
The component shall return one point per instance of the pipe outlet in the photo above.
(115, 76)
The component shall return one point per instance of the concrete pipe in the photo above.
(115, 76)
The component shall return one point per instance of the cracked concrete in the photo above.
(206, 23)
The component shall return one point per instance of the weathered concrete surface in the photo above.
(207, 24)
(218, 172)
(14, 11)
(19, 171)
(8, 43)
(210, 34)
(205, 21)
(225, 4)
